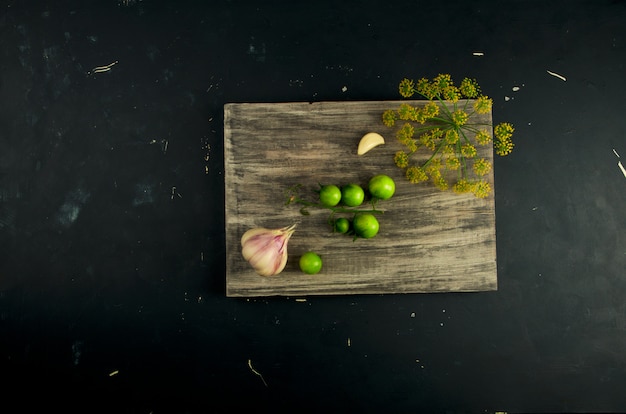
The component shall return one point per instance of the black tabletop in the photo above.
(112, 250)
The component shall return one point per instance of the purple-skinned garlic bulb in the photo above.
(266, 249)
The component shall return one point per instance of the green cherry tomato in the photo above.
(310, 263)
(342, 225)
(382, 186)
(330, 195)
(365, 225)
(352, 195)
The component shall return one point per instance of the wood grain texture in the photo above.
(429, 240)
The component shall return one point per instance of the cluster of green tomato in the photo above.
(363, 224)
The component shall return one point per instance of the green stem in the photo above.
(425, 128)
(465, 107)
(444, 107)
(463, 161)
(441, 144)
(472, 124)
(465, 137)
(442, 120)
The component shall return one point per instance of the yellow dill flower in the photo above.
(503, 146)
(483, 137)
(406, 88)
(411, 145)
(427, 89)
(503, 130)
(416, 175)
(437, 133)
(448, 150)
(481, 189)
(451, 93)
(469, 88)
(442, 81)
(451, 136)
(420, 116)
(483, 104)
(389, 117)
(459, 117)
(405, 133)
(423, 87)
(416, 115)
(430, 110)
(441, 183)
(428, 140)
(503, 143)
(453, 163)
(405, 112)
(468, 151)
(434, 174)
(434, 167)
(401, 159)
(462, 186)
(481, 167)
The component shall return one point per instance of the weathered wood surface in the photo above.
(429, 240)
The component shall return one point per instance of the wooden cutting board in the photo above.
(429, 240)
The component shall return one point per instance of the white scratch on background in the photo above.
(478, 54)
(255, 372)
(556, 75)
(101, 69)
(619, 163)
(175, 193)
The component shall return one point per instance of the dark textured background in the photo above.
(112, 280)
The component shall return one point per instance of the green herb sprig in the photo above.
(445, 128)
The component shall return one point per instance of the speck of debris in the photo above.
(412, 314)
(344, 89)
(515, 88)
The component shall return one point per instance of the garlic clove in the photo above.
(369, 141)
(266, 249)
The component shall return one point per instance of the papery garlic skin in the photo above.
(266, 249)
